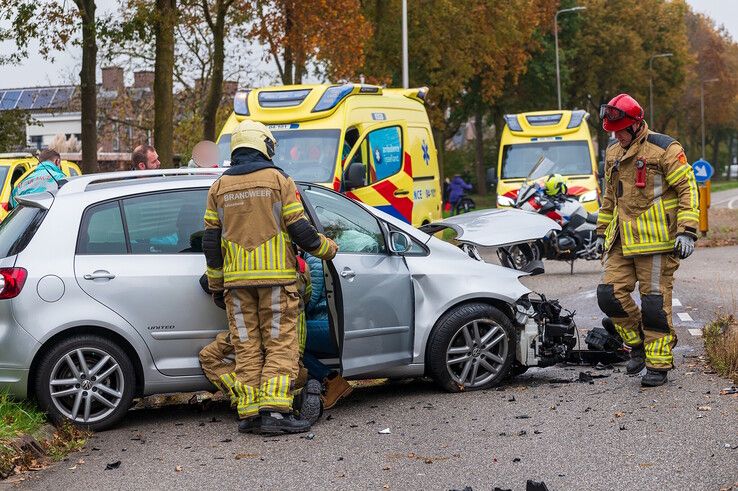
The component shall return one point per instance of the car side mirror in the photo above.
(355, 176)
(399, 242)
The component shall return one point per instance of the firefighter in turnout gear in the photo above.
(218, 358)
(647, 222)
(253, 219)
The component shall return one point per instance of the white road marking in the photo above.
(675, 302)
(685, 317)
(695, 332)
(590, 294)
(730, 203)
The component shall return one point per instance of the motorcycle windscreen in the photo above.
(495, 227)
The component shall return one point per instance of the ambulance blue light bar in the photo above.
(512, 122)
(576, 119)
(240, 103)
(332, 96)
(544, 119)
(282, 98)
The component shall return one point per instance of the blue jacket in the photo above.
(317, 308)
(456, 189)
(38, 181)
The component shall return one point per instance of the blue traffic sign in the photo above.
(702, 170)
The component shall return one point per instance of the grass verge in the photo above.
(723, 224)
(25, 440)
(722, 186)
(721, 345)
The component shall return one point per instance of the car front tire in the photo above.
(86, 380)
(471, 348)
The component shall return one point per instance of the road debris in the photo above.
(385, 431)
(112, 465)
(704, 408)
(729, 390)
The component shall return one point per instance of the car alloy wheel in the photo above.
(477, 353)
(86, 385)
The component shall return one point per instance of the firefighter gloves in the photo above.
(684, 246)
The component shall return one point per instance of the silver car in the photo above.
(100, 300)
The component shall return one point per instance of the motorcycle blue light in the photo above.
(332, 96)
(283, 98)
(512, 122)
(240, 103)
(576, 119)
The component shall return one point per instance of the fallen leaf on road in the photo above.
(619, 414)
(646, 465)
(178, 468)
(242, 456)
(80, 462)
(73, 467)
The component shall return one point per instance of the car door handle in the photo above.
(402, 192)
(99, 275)
(347, 273)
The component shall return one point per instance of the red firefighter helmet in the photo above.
(621, 112)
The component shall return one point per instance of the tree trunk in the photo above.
(479, 147)
(215, 90)
(438, 137)
(166, 15)
(287, 77)
(716, 150)
(88, 86)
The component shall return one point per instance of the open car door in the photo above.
(369, 289)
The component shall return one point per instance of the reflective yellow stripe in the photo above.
(630, 336)
(650, 247)
(670, 204)
(260, 275)
(688, 215)
(677, 175)
(214, 273)
(291, 209)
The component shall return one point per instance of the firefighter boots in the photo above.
(274, 423)
(336, 388)
(637, 360)
(249, 425)
(654, 378)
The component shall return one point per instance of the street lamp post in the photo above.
(405, 74)
(556, 41)
(702, 110)
(650, 82)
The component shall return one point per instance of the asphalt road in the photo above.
(610, 434)
(725, 199)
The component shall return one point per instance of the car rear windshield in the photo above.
(571, 158)
(17, 230)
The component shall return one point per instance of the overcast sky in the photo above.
(65, 69)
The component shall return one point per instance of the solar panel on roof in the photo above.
(62, 96)
(43, 98)
(26, 99)
(10, 99)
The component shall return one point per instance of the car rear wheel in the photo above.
(86, 380)
(471, 348)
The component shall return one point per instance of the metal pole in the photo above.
(556, 42)
(405, 73)
(702, 115)
(702, 110)
(650, 83)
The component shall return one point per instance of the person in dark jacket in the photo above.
(456, 189)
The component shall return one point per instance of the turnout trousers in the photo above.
(650, 325)
(218, 360)
(262, 322)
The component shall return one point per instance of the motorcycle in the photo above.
(577, 238)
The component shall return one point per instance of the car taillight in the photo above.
(11, 282)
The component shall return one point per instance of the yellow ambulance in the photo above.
(371, 143)
(561, 136)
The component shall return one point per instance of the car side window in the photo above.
(166, 223)
(353, 228)
(101, 231)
